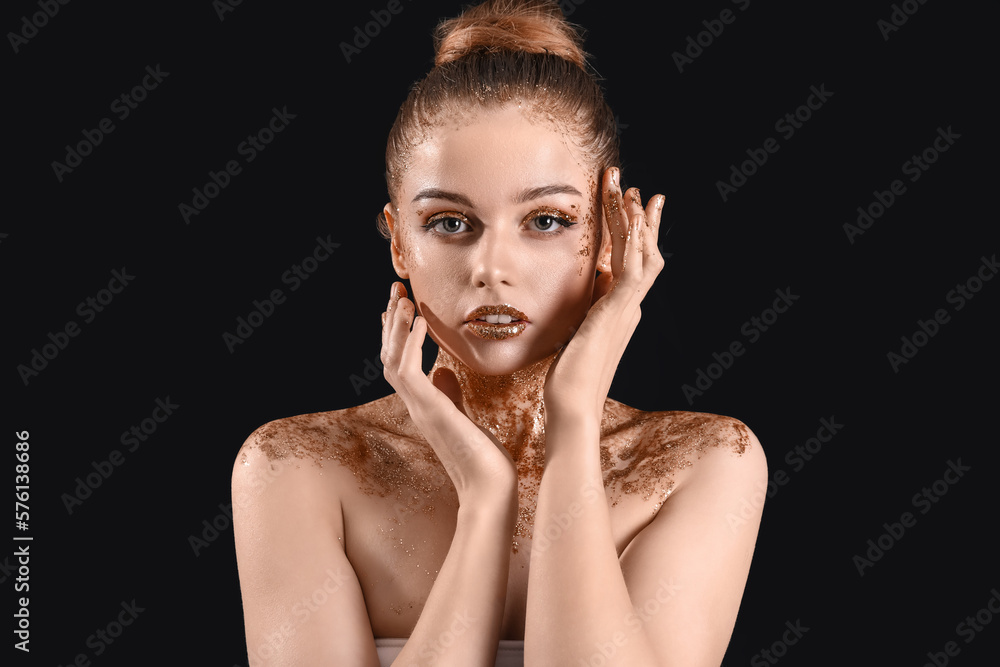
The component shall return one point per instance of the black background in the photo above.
(323, 176)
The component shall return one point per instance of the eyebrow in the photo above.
(524, 196)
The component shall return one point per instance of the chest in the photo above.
(397, 544)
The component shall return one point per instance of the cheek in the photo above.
(569, 275)
(432, 287)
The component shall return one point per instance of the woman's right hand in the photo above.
(479, 466)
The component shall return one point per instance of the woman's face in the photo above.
(498, 217)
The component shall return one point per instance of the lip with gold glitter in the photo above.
(496, 322)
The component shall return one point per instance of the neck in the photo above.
(510, 406)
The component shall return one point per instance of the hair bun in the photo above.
(533, 26)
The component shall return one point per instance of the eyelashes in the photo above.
(542, 219)
(441, 220)
(554, 216)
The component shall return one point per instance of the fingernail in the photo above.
(614, 176)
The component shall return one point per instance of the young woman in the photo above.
(501, 509)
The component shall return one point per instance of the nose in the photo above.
(494, 259)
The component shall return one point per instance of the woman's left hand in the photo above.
(579, 379)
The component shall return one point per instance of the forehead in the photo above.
(494, 154)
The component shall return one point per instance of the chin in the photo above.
(497, 357)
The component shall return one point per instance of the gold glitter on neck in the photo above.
(641, 452)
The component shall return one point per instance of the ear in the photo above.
(398, 261)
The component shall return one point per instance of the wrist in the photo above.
(489, 511)
(575, 419)
(574, 435)
(493, 501)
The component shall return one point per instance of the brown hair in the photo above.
(505, 51)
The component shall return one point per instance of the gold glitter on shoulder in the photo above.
(374, 442)
(652, 447)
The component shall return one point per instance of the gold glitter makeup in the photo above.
(497, 331)
(641, 452)
(664, 442)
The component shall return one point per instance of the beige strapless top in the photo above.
(510, 652)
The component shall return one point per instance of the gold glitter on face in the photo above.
(483, 185)
(497, 331)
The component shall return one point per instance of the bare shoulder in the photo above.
(290, 518)
(660, 452)
(320, 436)
(356, 446)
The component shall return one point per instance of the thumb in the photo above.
(444, 379)
(447, 383)
(602, 285)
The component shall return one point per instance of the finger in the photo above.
(632, 258)
(387, 320)
(654, 212)
(396, 331)
(410, 343)
(633, 202)
(616, 218)
(654, 216)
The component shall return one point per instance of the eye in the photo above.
(447, 224)
(549, 221)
